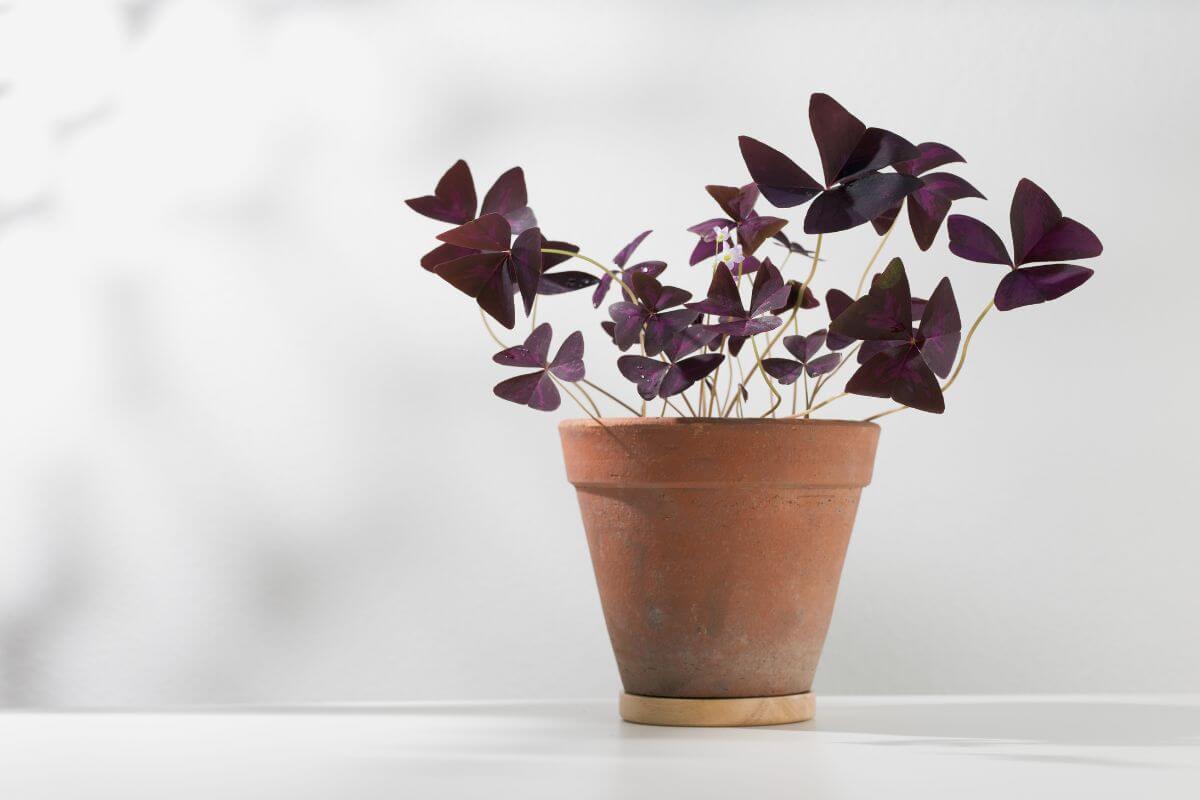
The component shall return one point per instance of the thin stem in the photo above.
(824, 403)
(663, 413)
(871, 263)
(571, 395)
(824, 379)
(962, 359)
(807, 396)
(783, 329)
(688, 403)
(583, 392)
(766, 380)
(725, 401)
(674, 407)
(491, 332)
(612, 397)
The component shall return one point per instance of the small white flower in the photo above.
(732, 257)
(722, 235)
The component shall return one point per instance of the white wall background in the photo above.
(248, 449)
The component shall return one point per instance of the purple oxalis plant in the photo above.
(691, 354)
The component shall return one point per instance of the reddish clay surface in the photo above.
(718, 545)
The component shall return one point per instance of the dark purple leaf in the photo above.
(836, 131)
(901, 374)
(443, 253)
(940, 329)
(723, 297)
(784, 370)
(823, 364)
(490, 233)
(705, 229)
(554, 259)
(654, 295)
(533, 352)
(628, 320)
(1031, 285)
(805, 348)
(565, 281)
(928, 206)
(781, 181)
(949, 186)
(737, 203)
(703, 251)
(837, 301)
(508, 198)
(975, 241)
(883, 223)
(1040, 231)
(527, 264)
(794, 247)
(885, 312)
(488, 278)
(610, 328)
(683, 374)
(535, 390)
(568, 362)
(755, 230)
(660, 326)
(453, 200)
(647, 373)
(858, 202)
(918, 308)
(769, 290)
(688, 341)
(651, 268)
(930, 155)
(746, 326)
(625, 252)
(793, 297)
(870, 349)
(875, 150)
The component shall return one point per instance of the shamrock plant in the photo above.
(691, 354)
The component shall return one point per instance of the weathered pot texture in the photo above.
(718, 545)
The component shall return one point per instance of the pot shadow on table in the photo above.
(984, 728)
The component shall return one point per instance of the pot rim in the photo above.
(630, 422)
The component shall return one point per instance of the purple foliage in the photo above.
(495, 252)
(1039, 233)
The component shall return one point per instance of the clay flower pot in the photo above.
(718, 547)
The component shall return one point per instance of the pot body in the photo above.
(718, 545)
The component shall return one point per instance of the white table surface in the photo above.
(965, 748)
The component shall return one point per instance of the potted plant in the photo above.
(718, 509)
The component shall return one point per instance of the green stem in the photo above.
(783, 329)
(871, 263)
(688, 403)
(488, 326)
(824, 379)
(612, 397)
(583, 392)
(578, 402)
(778, 397)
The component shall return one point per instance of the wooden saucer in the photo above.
(717, 713)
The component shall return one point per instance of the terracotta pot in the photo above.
(718, 547)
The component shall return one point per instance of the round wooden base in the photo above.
(717, 713)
